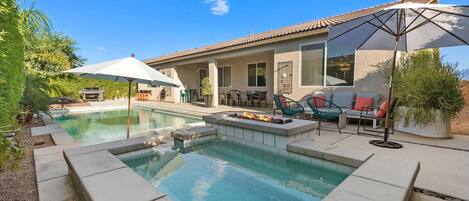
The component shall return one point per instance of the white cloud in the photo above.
(218, 7)
(100, 49)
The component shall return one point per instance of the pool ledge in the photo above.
(97, 174)
(376, 178)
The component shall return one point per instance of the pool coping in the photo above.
(374, 179)
(97, 167)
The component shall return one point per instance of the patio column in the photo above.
(213, 78)
(175, 91)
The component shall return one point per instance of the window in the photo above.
(257, 74)
(224, 76)
(340, 65)
(312, 64)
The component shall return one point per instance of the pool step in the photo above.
(192, 136)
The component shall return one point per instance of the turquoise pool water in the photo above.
(105, 126)
(228, 171)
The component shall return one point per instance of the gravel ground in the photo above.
(20, 184)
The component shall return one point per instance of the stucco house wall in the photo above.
(366, 76)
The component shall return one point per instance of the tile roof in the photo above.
(293, 29)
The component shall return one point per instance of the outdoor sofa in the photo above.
(345, 100)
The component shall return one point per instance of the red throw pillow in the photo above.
(283, 101)
(319, 101)
(382, 109)
(361, 102)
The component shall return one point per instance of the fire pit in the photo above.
(260, 130)
(260, 117)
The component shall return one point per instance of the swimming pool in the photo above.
(105, 126)
(230, 171)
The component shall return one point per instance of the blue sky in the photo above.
(109, 29)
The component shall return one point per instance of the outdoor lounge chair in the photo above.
(287, 106)
(323, 113)
(376, 113)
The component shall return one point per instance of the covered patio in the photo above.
(237, 80)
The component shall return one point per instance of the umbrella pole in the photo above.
(385, 143)
(128, 109)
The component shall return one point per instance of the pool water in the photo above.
(105, 126)
(229, 171)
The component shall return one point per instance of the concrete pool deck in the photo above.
(442, 170)
(443, 163)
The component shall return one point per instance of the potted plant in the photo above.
(429, 94)
(207, 91)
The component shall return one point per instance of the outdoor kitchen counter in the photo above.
(297, 126)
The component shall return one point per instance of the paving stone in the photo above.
(398, 172)
(346, 156)
(53, 149)
(120, 185)
(48, 158)
(44, 130)
(115, 147)
(359, 189)
(93, 163)
(51, 170)
(62, 138)
(58, 189)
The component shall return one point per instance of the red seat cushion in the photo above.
(319, 101)
(283, 101)
(382, 109)
(361, 102)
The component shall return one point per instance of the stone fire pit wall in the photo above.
(269, 136)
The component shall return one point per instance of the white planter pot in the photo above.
(437, 129)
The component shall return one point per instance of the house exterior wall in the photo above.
(239, 72)
(366, 76)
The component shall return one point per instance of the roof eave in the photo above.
(239, 47)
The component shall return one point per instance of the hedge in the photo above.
(11, 62)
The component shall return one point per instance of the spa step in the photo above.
(350, 157)
(380, 179)
(194, 135)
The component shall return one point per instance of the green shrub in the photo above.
(425, 84)
(36, 95)
(207, 88)
(71, 86)
(11, 62)
(11, 80)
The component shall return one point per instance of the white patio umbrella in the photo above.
(128, 70)
(403, 27)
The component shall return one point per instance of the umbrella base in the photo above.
(386, 144)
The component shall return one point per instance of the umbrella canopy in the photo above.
(121, 70)
(125, 70)
(416, 26)
(403, 27)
